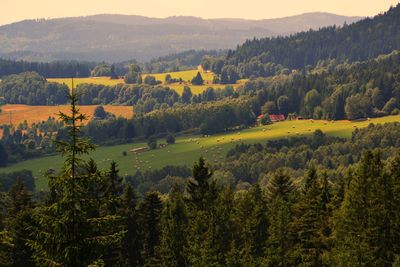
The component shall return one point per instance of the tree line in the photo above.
(56, 69)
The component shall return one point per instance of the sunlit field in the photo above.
(15, 114)
(186, 77)
(189, 148)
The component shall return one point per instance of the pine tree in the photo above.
(251, 225)
(67, 232)
(198, 80)
(394, 172)
(173, 234)
(280, 186)
(132, 243)
(353, 224)
(309, 222)
(19, 220)
(113, 188)
(151, 218)
(280, 241)
(202, 190)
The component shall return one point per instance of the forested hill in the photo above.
(115, 38)
(356, 42)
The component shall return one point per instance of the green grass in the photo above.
(189, 148)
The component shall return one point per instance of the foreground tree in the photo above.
(173, 233)
(69, 232)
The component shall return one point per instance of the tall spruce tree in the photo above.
(250, 220)
(67, 232)
(202, 190)
(132, 242)
(18, 222)
(280, 241)
(151, 210)
(173, 233)
(309, 222)
(354, 229)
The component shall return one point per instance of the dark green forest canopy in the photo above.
(360, 41)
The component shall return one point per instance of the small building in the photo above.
(277, 117)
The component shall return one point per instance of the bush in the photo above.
(265, 120)
(152, 142)
(170, 139)
(124, 153)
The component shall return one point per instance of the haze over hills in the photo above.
(120, 37)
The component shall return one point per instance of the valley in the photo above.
(188, 149)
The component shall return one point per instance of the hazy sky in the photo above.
(15, 10)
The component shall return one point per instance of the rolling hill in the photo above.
(188, 149)
(120, 37)
(359, 41)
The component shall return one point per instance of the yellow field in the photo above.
(16, 114)
(95, 80)
(186, 76)
(198, 89)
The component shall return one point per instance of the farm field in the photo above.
(186, 75)
(178, 87)
(95, 80)
(16, 114)
(189, 148)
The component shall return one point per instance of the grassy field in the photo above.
(189, 148)
(185, 75)
(16, 114)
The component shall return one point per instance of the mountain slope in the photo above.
(363, 40)
(120, 37)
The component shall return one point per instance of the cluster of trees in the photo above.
(8, 180)
(144, 97)
(186, 60)
(104, 69)
(332, 90)
(32, 89)
(134, 75)
(56, 69)
(24, 141)
(363, 40)
(225, 74)
(92, 218)
(207, 118)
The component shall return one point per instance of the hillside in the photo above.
(118, 37)
(189, 148)
(360, 41)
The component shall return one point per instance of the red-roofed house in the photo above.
(277, 117)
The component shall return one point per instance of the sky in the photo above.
(16, 10)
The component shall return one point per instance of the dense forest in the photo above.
(93, 218)
(359, 41)
(32, 89)
(332, 90)
(55, 69)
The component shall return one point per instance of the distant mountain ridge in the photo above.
(121, 37)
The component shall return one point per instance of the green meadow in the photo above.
(188, 149)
